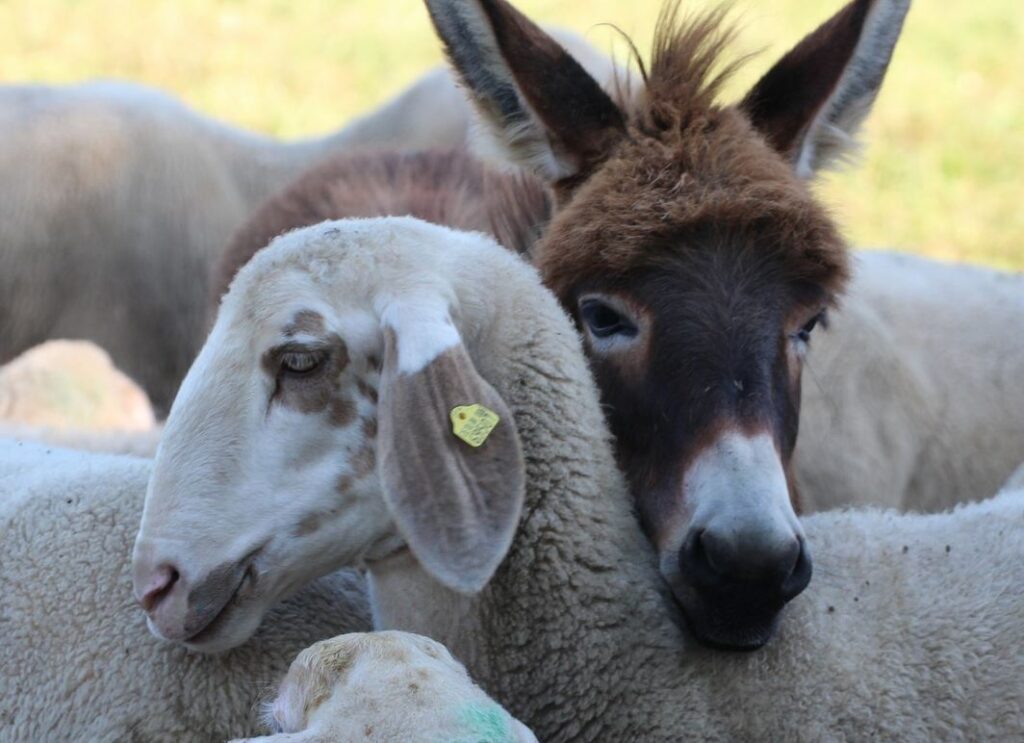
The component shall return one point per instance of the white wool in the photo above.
(78, 662)
(385, 687)
(134, 443)
(913, 400)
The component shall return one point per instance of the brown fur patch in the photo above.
(364, 461)
(445, 187)
(370, 428)
(306, 321)
(342, 410)
(309, 524)
(345, 483)
(318, 390)
(367, 390)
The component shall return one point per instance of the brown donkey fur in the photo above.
(447, 187)
(682, 237)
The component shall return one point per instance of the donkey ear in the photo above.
(457, 505)
(812, 102)
(545, 111)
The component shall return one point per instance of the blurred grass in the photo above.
(940, 173)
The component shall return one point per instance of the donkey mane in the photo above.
(686, 71)
(687, 168)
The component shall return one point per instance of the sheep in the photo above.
(124, 196)
(69, 393)
(385, 686)
(71, 384)
(912, 393)
(356, 347)
(78, 663)
(138, 444)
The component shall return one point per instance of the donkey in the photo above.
(682, 238)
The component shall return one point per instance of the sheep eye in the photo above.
(301, 363)
(604, 321)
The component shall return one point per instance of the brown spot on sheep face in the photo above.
(342, 411)
(308, 377)
(363, 461)
(368, 731)
(309, 524)
(367, 390)
(370, 428)
(306, 321)
(345, 483)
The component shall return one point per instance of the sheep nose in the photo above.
(714, 561)
(157, 587)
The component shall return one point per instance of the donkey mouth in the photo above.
(740, 619)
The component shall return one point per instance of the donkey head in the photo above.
(696, 262)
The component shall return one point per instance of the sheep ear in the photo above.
(544, 110)
(456, 502)
(811, 104)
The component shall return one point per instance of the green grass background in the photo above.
(940, 173)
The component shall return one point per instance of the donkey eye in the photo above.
(605, 321)
(300, 363)
(804, 334)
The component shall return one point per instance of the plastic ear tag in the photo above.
(473, 423)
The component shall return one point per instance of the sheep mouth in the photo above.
(217, 620)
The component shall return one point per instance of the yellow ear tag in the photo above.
(473, 423)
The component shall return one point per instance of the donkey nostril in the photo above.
(800, 576)
(695, 562)
(158, 587)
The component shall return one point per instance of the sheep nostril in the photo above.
(159, 587)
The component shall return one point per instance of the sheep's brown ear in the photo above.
(810, 105)
(456, 501)
(542, 108)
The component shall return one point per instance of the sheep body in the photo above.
(133, 443)
(78, 661)
(386, 686)
(124, 197)
(915, 391)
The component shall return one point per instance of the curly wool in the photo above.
(78, 662)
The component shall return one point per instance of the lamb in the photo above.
(78, 663)
(69, 393)
(71, 384)
(409, 398)
(386, 686)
